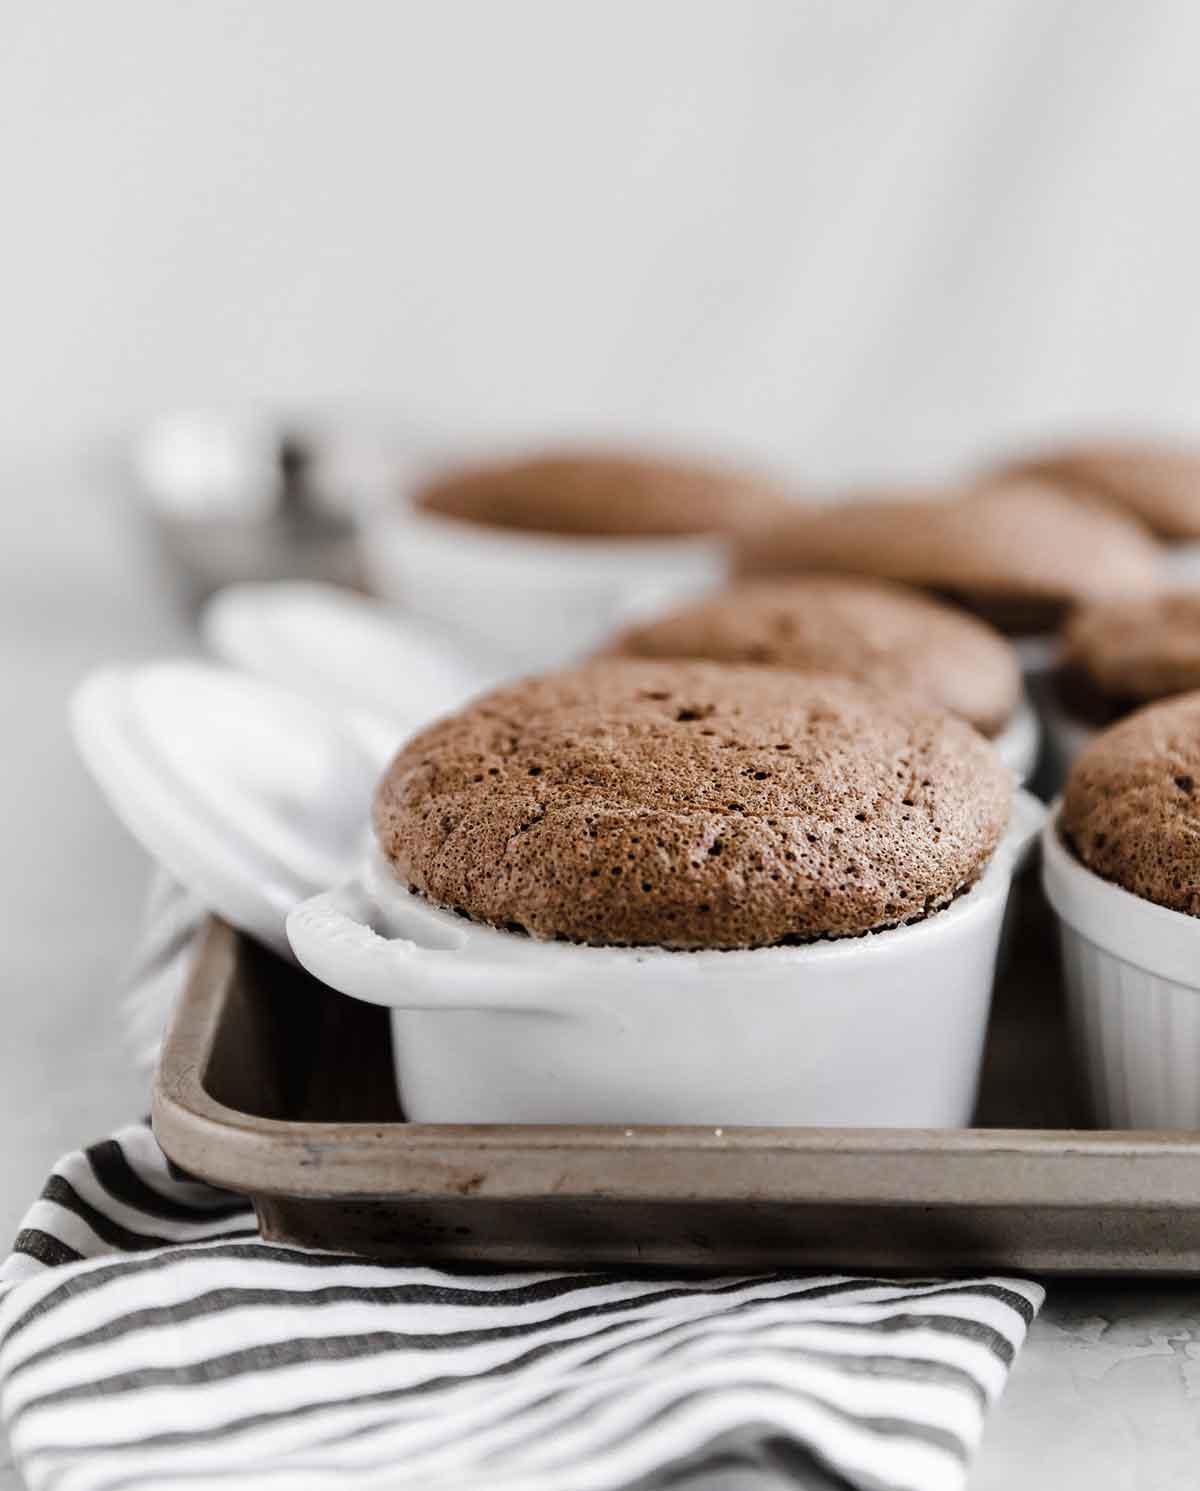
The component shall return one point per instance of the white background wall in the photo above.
(858, 236)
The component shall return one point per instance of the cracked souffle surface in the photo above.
(868, 630)
(692, 805)
(1131, 807)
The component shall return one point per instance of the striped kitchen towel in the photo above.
(150, 1339)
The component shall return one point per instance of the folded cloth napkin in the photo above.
(149, 1338)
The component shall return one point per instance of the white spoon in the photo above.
(251, 797)
(345, 651)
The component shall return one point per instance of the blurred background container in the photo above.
(231, 500)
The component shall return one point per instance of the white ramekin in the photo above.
(1183, 562)
(1037, 653)
(493, 1027)
(1132, 971)
(534, 599)
(1019, 743)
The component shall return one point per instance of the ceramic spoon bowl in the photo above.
(346, 652)
(250, 796)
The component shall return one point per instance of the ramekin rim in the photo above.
(1131, 927)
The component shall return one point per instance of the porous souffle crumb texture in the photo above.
(691, 805)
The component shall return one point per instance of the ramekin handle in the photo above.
(332, 938)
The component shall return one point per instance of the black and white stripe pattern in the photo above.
(149, 1338)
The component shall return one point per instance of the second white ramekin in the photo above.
(534, 599)
(1064, 737)
(1019, 743)
(1183, 562)
(1132, 971)
(493, 1027)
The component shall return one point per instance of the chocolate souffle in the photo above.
(1131, 808)
(1157, 481)
(1019, 553)
(869, 630)
(692, 805)
(585, 495)
(1119, 655)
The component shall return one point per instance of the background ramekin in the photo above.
(1132, 971)
(533, 599)
(1019, 744)
(1064, 737)
(1037, 653)
(490, 1026)
(1183, 562)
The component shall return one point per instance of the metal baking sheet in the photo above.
(273, 1086)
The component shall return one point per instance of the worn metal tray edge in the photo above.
(955, 1169)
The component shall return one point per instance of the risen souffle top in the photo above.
(692, 805)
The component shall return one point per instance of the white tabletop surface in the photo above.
(1105, 1392)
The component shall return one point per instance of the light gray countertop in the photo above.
(1105, 1392)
